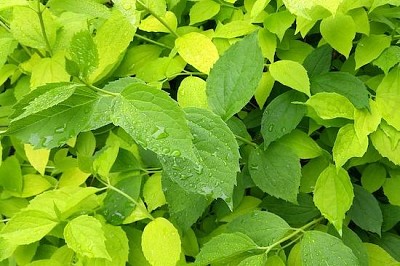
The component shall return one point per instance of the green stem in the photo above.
(246, 141)
(152, 41)
(96, 89)
(162, 21)
(40, 15)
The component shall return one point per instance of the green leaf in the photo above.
(234, 77)
(264, 89)
(330, 105)
(215, 174)
(27, 226)
(203, 10)
(333, 195)
(30, 34)
(388, 59)
(365, 211)
(279, 22)
(391, 216)
(258, 7)
(388, 97)
(224, 246)
(158, 7)
(83, 52)
(373, 177)
(117, 207)
(257, 260)
(339, 31)
(378, 256)
(111, 40)
(370, 47)
(346, 138)
(234, 29)
(197, 50)
(302, 144)
(264, 228)
(192, 92)
(353, 241)
(276, 171)
(184, 207)
(34, 185)
(318, 62)
(386, 142)
(342, 83)
(152, 192)
(7, 46)
(391, 188)
(282, 116)
(161, 243)
(11, 175)
(85, 236)
(6, 249)
(294, 214)
(291, 74)
(38, 158)
(49, 70)
(318, 248)
(152, 24)
(268, 43)
(153, 120)
(88, 7)
(367, 121)
(135, 246)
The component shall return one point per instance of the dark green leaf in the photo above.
(391, 243)
(352, 240)
(319, 61)
(391, 216)
(282, 116)
(342, 83)
(276, 171)
(234, 77)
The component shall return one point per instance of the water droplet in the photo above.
(34, 139)
(165, 150)
(253, 167)
(61, 129)
(160, 133)
(176, 153)
(283, 129)
(199, 169)
(271, 127)
(47, 140)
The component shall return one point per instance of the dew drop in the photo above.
(199, 169)
(165, 150)
(283, 129)
(253, 167)
(271, 127)
(160, 133)
(61, 129)
(176, 153)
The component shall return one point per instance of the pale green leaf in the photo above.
(152, 192)
(282, 116)
(268, 43)
(161, 243)
(296, 51)
(247, 205)
(38, 158)
(34, 185)
(73, 177)
(319, 248)
(367, 121)
(264, 89)
(6, 249)
(85, 236)
(112, 39)
(305, 9)
(391, 190)
(333, 195)
(279, 22)
(339, 31)
(259, 260)
(27, 226)
(203, 10)
(7, 46)
(258, 7)
(329, 105)
(388, 97)
(373, 177)
(158, 7)
(235, 77)
(223, 247)
(129, 10)
(234, 29)
(45, 262)
(378, 3)
(192, 93)
(197, 50)
(49, 70)
(154, 121)
(152, 24)
(88, 7)
(30, 34)
(104, 159)
(215, 173)
(386, 142)
(346, 138)
(302, 144)
(291, 74)
(388, 59)
(11, 167)
(264, 228)
(276, 171)
(370, 47)
(361, 20)
(4, 4)
(377, 256)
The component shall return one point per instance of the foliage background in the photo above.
(222, 132)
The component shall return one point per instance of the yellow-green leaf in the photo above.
(377, 256)
(152, 192)
(152, 24)
(203, 10)
(367, 121)
(370, 47)
(329, 105)
(192, 93)
(38, 158)
(161, 243)
(34, 185)
(264, 89)
(197, 50)
(49, 70)
(391, 190)
(234, 29)
(386, 142)
(291, 74)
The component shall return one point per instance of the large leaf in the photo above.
(154, 121)
(333, 195)
(318, 248)
(264, 228)
(342, 83)
(234, 77)
(215, 173)
(161, 243)
(276, 171)
(282, 116)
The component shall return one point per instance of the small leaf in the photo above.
(318, 62)
(34, 185)
(279, 22)
(370, 47)
(152, 192)
(258, 7)
(234, 29)
(330, 105)
(264, 228)
(302, 144)
(192, 92)
(377, 256)
(333, 195)
(388, 59)
(367, 121)
(282, 116)
(264, 89)
(85, 236)
(234, 77)
(291, 74)
(268, 43)
(259, 260)
(197, 50)
(318, 248)
(203, 10)
(346, 138)
(152, 24)
(390, 189)
(161, 243)
(339, 31)
(90, 7)
(276, 171)
(11, 175)
(386, 141)
(373, 177)
(37, 158)
(224, 246)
